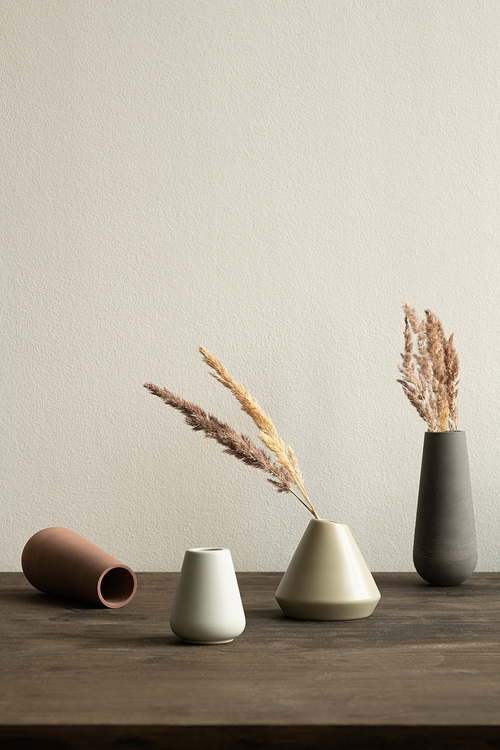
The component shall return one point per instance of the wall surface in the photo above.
(268, 179)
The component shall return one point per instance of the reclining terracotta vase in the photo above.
(60, 562)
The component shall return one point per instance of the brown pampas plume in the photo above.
(234, 444)
(430, 375)
(268, 433)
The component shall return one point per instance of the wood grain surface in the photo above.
(422, 672)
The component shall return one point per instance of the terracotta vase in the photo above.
(444, 548)
(60, 562)
(327, 578)
(207, 607)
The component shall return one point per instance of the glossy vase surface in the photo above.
(444, 549)
(60, 562)
(207, 607)
(327, 578)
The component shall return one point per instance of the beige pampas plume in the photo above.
(267, 431)
(430, 375)
(234, 444)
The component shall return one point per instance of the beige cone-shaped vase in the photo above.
(60, 562)
(327, 578)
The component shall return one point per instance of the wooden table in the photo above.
(422, 672)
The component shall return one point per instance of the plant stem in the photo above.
(307, 505)
(310, 505)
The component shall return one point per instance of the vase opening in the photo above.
(116, 587)
(207, 549)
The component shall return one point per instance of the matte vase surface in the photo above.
(60, 562)
(327, 578)
(444, 548)
(207, 607)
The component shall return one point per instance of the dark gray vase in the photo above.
(444, 549)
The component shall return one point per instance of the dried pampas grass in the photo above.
(285, 472)
(268, 433)
(430, 374)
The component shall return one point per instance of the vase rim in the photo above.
(446, 432)
(205, 550)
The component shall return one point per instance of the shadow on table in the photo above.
(35, 598)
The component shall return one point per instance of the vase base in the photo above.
(450, 580)
(450, 571)
(207, 643)
(328, 611)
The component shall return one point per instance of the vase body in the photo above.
(327, 578)
(444, 549)
(207, 607)
(60, 562)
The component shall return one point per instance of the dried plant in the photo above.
(430, 374)
(240, 446)
(268, 433)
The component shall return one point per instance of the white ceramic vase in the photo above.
(207, 607)
(327, 578)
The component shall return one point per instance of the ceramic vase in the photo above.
(444, 549)
(207, 608)
(60, 562)
(327, 578)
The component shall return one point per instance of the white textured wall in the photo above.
(269, 179)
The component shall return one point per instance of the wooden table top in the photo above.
(423, 669)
